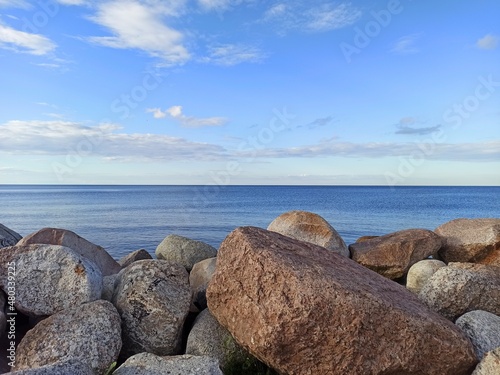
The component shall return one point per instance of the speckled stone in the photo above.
(90, 333)
(421, 272)
(490, 364)
(72, 367)
(483, 330)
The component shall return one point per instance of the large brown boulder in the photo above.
(471, 240)
(302, 309)
(63, 237)
(309, 227)
(462, 287)
(392, 255)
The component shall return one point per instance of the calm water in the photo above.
(126, 218)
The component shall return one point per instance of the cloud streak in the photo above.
(23, 42)
(135, 25)
(233, 54)
(406, 45)
(175, 112)
(488, 42)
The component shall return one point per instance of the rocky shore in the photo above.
(290, 299)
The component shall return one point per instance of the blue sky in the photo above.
(250, 92)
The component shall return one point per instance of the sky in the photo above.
(227, 92)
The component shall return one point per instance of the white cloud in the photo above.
(186, 121)
(104, 140)
(406, 45)
(329, 17)
(140, 25)
(20, 41)
(301, 16)
(488, 42)
(233, 54)
(14, 4)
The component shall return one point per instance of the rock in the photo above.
(140, 254)
(461, 287)
(72, 367)
(3, 318)
(393, 254)
(199, 277)
(490, 364)
(302, 309)
(147, 363)
(184, 251)
(471, 240)
(62, 237)
(209, 338)
(153, 299)
(365, 238)
(49, 278)
(309, 227)
(421, 272)
(108, 287)
(89, 333)
(8, 237)
(483, 330)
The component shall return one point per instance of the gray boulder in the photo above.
(471, 240)
(153, 299)
(63, 237)
(483, 330)
(89, 333)
(184, 251)
(108, 287)
(421, 272)
(150, 364)
(490, 364)
(393, 254)
(72, 367)
(50, 278)
(199, 277)
(461, 287)
(209, 338)
(309, 227)
(134, 256)
(8, 237)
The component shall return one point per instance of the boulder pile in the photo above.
(292, 299)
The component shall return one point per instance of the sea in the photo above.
(126, 218)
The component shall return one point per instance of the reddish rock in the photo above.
(63, 237)
(365, 238)
(309, 227)
(471, 241)
(392, 255)
(302, 309)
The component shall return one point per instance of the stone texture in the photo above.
(421, 272)
(50, 278)
(147, 363)
(3, 318)
(490, 364)
(89, 333)
(483, 330)
(302, 309)
(461, 287)
(8, 237)
(108, 287)
(72, 367)
(153, 299)
(471, 240)
(134, 256)
(62, 237)
(199, 277)
(365, 238)
(309, 227)
(184, 251)
(393, 254)
(209, 338)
